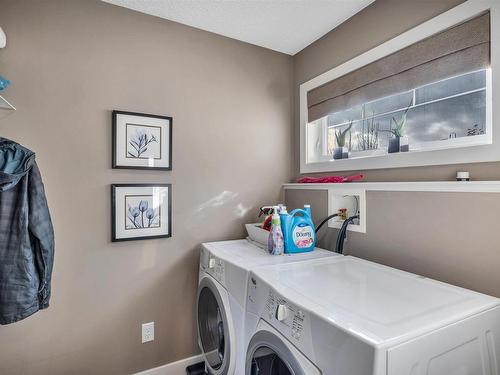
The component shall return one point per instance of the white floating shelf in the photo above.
(432, 186)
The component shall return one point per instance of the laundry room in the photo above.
(249, 187)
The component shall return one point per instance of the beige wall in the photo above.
(379, 22)
(451, 237)
(71, 63)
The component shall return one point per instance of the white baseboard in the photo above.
(174, 368)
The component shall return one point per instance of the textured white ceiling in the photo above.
(281, 25)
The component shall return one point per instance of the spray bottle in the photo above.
(275, 242)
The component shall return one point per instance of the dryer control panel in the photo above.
(289, 317)
(216, 268)
(212, 265)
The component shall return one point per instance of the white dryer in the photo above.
(222, 293)
(347, 316)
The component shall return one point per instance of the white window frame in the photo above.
(489, 150)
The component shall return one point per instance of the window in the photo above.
(444, 114)
(423, 98)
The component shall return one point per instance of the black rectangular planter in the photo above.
(393, 145)
(340, 153)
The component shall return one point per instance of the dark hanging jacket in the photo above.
(26, 235)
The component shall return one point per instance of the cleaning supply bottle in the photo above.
(275, 243)
(281, 208)
(298, 231)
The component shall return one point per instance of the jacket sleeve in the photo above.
(41, 234)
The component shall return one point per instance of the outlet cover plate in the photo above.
(148, 332)
(339, 198)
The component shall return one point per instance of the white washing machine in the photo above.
(224, 271)
(347, 316)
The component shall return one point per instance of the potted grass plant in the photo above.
(341, 151)
(368, 137)
(399, 143)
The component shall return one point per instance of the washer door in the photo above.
(267, 354)
(213, 327)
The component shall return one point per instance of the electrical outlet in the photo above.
(148, 332)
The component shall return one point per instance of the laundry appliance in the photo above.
(223, 277)
(348, 316)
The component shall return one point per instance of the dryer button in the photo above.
(211, 263)
(281, 312)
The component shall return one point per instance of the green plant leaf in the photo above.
(341, 134)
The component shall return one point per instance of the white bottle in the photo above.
(275, 242)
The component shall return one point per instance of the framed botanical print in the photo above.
(142, 141)
(141, 211)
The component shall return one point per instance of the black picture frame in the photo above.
(114, 148)
(113, 213)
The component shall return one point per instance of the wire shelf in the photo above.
(5, 104)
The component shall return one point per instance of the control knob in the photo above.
(281, 312)
(211, 263)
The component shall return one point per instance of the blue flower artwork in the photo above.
(141, 212)
(143, 142)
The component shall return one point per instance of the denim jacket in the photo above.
(26, 235)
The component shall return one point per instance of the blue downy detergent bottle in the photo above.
(298, 231)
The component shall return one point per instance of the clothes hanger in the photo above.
(6, 105)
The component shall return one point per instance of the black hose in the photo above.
(339, 247)
(325, 220)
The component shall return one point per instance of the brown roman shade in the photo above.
(460, 49)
